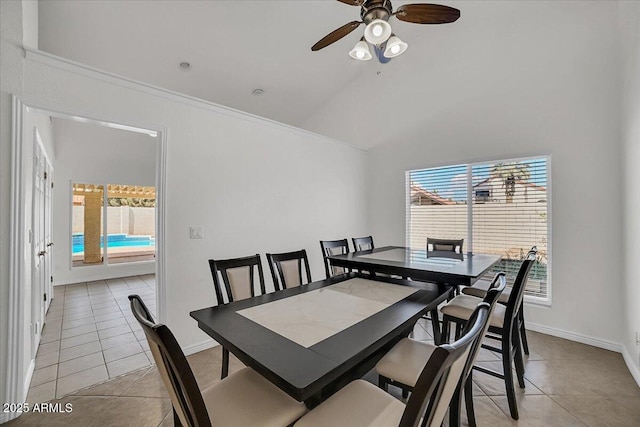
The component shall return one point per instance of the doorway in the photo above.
(35, 320)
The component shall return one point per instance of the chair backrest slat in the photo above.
(286, 269)
(238, 277)
(333, 247)
(174, 368)
(445, 245)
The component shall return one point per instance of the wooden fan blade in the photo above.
(427, 13)
(336, 35)
(352, 2)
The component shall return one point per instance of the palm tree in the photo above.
(509, 173)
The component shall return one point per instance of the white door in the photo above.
(48, 236)
(38, 244)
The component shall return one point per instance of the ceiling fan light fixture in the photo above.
(395, 47)
(377, 31)
(361, 51)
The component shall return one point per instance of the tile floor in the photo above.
(90, 336)
(568, 384)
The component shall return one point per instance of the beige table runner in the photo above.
(311, 317)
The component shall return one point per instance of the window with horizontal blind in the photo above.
(499, 207)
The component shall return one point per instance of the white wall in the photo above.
(11, 80)
(88, 153)
(557, 94)
(255, 186)
(630, 26)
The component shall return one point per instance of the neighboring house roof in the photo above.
(518, 181)
(416, 191)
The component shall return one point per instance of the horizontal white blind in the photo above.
(509, 213)
(510, 216)
(438, 205)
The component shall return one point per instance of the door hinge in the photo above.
(51, 184)
(45, 296)
(51, 279)
(45, 175)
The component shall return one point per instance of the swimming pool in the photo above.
(114, 241)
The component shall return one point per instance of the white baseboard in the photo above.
(572, 336)
(27, 380)
(204, 345)
(633, 368)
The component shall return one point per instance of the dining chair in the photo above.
(445, 248)
(402, 365)
(333, 247)
(445, 245)
(244, 398)
(362, 243)
(504, 323)
(238, 278)
(479, 289)
(360, 403)
(286, 269)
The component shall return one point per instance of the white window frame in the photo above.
(527, 298)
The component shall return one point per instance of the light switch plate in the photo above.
(196, 232)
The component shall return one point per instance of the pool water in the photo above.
(114, 241)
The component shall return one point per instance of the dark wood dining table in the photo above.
(444, 268)
(307, 367)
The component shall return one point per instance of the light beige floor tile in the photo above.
(80, 330)
(69, 324)
(538, 410)
(47, 359)
(108, 316)
(117, 340)
(49, 336)
(79, 339)
(604, 377)
(133, 411)
(618, 411)
(81, 379)
(80, 350)
(127, 364)
(77, 316)
(114, 387)
(44, 375)
(122, 351)
(42, 393)
(80, 364)
(50, 347)
(111, 323)
(114, 331)
(149, 385)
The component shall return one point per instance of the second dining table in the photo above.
(311, 340)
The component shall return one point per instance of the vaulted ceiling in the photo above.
(235, 47)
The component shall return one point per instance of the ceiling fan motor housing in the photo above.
(376, 9)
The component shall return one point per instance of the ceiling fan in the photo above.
(375, 15)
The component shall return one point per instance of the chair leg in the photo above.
(435, 325)
(444, 337)
(468, 400)
(458, 330)
(225, 363)
(405, 393)
(518, 358)
(382, 383)
(523, 330)
(507, 357)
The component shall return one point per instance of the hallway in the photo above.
(90, 336)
